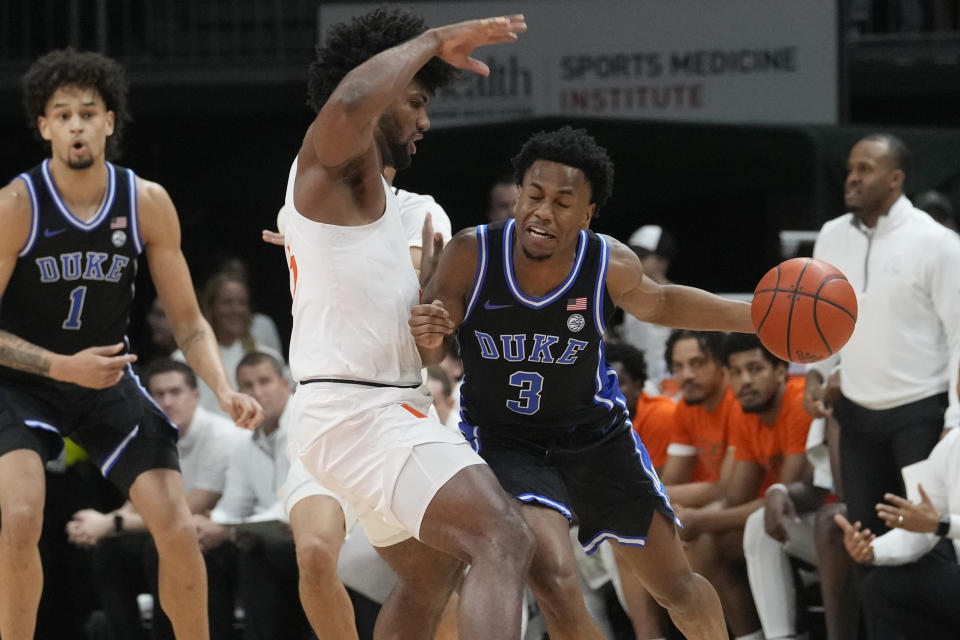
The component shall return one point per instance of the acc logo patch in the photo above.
(576, 322)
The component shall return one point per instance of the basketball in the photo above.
(804, 310)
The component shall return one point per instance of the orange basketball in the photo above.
(804, 310)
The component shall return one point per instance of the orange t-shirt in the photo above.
(768, 445)
(706, 432)
(653, 422)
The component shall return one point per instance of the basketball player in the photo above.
(74, 227)
(425, 498)
(532, 298)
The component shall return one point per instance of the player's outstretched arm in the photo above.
(96, 367)
(445, 296)
(344, 127)
(160, 231)
(670, 305)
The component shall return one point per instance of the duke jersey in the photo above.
(536, 365)
(72, 286)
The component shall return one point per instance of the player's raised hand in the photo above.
(429, 324)
(431, 246)
(245, 412)
(94, 367)
(858, 543)
(457, 41)
(272, 237)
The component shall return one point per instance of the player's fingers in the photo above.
(472, 64)
(108, 350)
(842, 522)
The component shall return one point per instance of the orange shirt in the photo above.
(653, 422)
(704, 433)
(768, 445)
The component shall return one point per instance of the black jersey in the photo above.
(536, 365)
(72, 286)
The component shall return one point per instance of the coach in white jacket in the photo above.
(902, 359)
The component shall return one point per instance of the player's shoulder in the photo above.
(15, 212)
(150, 193)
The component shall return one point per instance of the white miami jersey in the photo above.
(353, 288)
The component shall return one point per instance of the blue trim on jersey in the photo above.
(607, 384)
(598, 297)
(471, 432)
(115, 454)
(73, 220)
(547, 502)
(37, 424)
(146, 393)
(537, 303)
(134, 214)
(481, 275)
(651, 473)
(594, 543)
(34, 214)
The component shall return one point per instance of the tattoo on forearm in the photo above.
(191, 339)
(21, 355)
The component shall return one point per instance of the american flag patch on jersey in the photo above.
(576, 304)
(120, 222)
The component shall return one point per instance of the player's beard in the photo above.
(80, 163)
(530, 256)
(399, 152)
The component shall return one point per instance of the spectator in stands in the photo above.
(124, 557)
(503, 195)
(699, 458)
(938, 206)
(262, 327)
(252, 510)
(769, 440)
(912, 592)
(225, 301)
(656, 248)
(162, 341)
(443, 401)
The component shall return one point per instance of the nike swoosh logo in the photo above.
(493, 307)
(47, 233)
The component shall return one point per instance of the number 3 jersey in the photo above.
(535, 366)
(72, 286)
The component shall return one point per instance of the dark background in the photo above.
(217, 94)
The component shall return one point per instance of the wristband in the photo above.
(943, 527)
(778, 486)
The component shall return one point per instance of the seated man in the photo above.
(769, 439)
(699, 457)
(124, 557)
(913, 589)
(266, 560)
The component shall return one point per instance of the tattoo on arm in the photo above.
(191, 339)
(21, 355)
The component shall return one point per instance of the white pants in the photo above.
(770, 572)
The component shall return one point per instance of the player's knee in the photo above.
(174, 535)
(825, 531)
(317, 558)
(21, 524)
(508, 540)
(556, 586)
(679, 593)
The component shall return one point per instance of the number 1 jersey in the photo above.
(72, 286)
(536, 365)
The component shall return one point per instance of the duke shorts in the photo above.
(121, 428)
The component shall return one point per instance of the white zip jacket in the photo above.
(906, 272)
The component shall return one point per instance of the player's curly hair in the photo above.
(87, 69)
(350, 44)
(574, 148)
(630, 357)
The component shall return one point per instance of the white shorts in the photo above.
(379, 449)
(300, 484)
